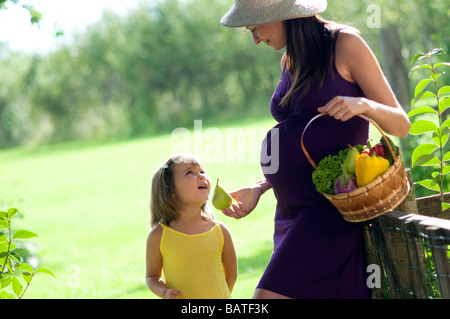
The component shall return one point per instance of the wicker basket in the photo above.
(376, 198)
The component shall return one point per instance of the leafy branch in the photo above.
(434, 102)
(10, 260)
(35, 16)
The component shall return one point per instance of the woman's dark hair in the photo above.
(309, 52)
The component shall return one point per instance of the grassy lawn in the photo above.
(88, 202)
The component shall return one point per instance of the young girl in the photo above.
(195, 252)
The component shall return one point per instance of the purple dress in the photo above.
(317, 254)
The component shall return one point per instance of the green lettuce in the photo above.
(329, 169)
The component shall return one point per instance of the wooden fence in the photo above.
(412, 253)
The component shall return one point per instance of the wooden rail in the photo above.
(413, 254)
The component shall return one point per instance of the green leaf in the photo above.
(25, 267)
(12, 211)
(3, 238)
(421, 86)
(436, 51)
(4, 251)
(6, 282)
(446, 170)
(440, 136)
(418, 57)
(46, 271)
(24, 234)
(444, 104)
(423, 66)
(421, 110)
(421, 127)
(17, 286)
(445, 206)
(3, 214)
(27, 277)
(428, 97)
(426, 160)
(444, 90)
(441, 64)
(430, 184)
(3, 223)
(434, 174)
(422, 154)
(15, 256)
(436, 76)
(446, 157)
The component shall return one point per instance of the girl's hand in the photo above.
(344, 108)
(247, 199)
(172, 294)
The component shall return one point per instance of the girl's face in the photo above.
(192, 185)
(273, 34)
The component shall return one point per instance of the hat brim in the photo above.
(246, 15)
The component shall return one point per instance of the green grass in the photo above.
(88, 202)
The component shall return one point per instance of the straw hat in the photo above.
(257, 12)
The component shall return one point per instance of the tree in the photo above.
(35, 16)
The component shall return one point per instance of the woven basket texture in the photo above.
(376, 198)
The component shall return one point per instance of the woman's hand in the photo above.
(247, 199)
(344, 107)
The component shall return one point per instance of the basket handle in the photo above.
(360, 115)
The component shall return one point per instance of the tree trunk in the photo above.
(395, 71)
(394, 68)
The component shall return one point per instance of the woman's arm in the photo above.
(247, 198)
(229, 258)
(357, 63)
(154, 267)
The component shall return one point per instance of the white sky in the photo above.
(67, 15)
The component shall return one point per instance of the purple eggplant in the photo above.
(345, 183)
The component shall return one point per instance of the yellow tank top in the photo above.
(193, 263)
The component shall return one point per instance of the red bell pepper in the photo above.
(378, 150)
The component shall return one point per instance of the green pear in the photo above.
(221, 199)
(349, 162)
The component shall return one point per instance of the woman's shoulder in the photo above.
(346, 35)
(349, 40)
(351, 51)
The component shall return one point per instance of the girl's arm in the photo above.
(357, 63)
(154, 267)
(229, 258)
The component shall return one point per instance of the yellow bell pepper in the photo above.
(368, 168)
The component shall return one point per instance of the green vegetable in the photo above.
(388, 152)
(329, 169)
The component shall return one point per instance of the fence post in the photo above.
(409, 204)
(441, 263)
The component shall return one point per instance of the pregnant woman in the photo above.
(327, 68)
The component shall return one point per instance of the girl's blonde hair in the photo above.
(164, 206)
